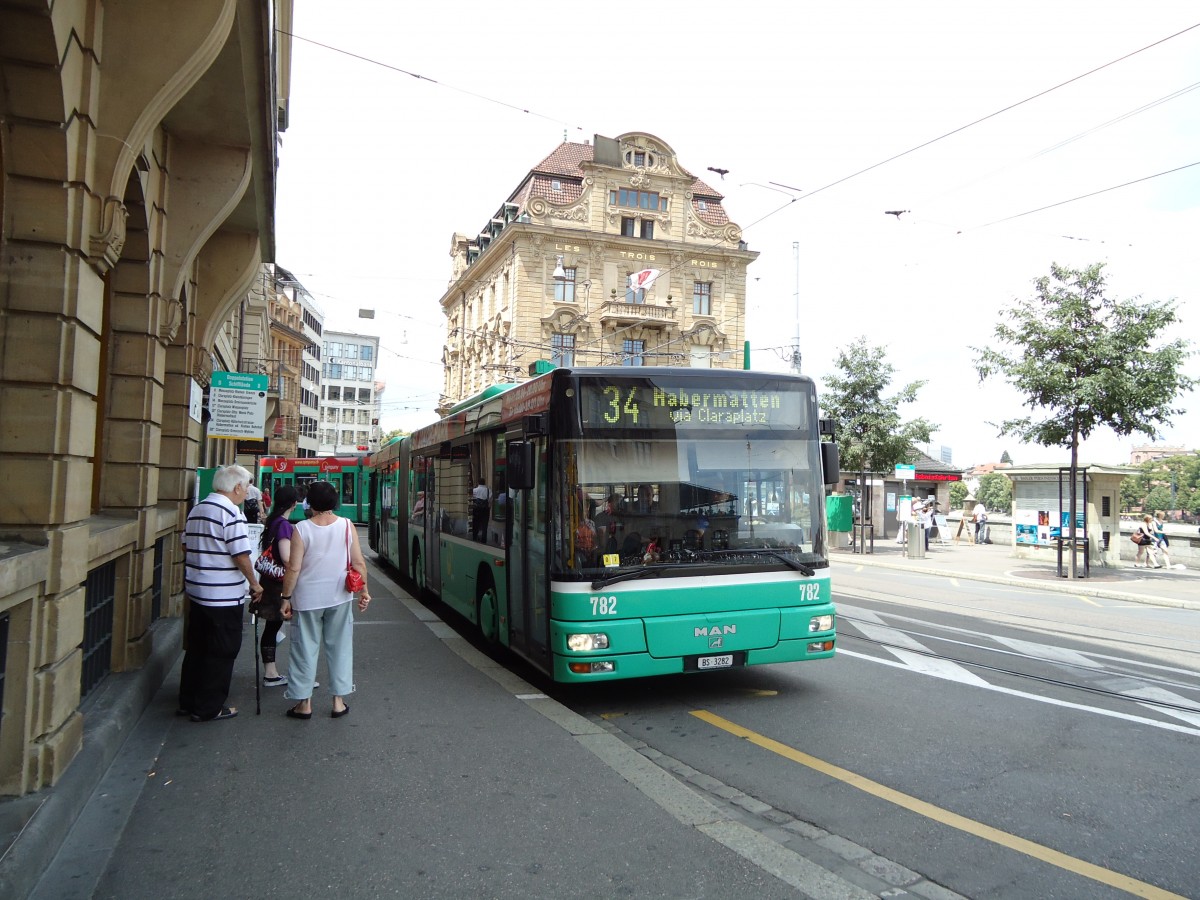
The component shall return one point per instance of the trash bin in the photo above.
(916, 541)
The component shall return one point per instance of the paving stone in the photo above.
(705, 782)
(844, 848)
(745, 801)
(931, 891)
(805, 830)
(885, 869)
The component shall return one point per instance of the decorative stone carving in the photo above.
(577, 213)
(202, 369)
(105, 247)
(172, 318)
(538, 206)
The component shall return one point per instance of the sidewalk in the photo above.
(451, 777)
(998, 564)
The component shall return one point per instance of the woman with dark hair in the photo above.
(316, 599)
(277, 534)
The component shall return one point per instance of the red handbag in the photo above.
(355, 583)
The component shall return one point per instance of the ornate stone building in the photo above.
(138, 155)
(554, 275)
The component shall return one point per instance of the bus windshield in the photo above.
(750, 500)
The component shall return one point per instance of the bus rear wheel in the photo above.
(418, 569)
(487, 613)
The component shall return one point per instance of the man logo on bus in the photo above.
(716, 643)
(714, 630)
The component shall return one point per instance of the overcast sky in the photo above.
(379, 168)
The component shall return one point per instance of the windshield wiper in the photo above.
(800, 567)
(629, 574)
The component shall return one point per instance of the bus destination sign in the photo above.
(640, 406)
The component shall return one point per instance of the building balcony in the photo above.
(650, 315)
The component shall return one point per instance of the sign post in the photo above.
(237, 403)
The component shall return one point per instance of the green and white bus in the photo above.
(635, 522)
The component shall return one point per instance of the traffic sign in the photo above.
(237, 404)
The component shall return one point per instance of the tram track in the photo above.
(1037, 623)
(975, 665)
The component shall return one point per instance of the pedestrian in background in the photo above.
(481, 501)
(252, 508)
(925, 517)
(1161, 543)
(980, 517)
(216, 571)
(277, 534)
(1146, 541)
(317, 602)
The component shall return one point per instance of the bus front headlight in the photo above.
(820, 623)
(582, 643)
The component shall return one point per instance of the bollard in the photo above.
(916, 541)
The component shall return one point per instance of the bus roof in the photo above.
(486, 394)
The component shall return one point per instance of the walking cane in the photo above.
(257, 680)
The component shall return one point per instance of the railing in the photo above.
(99, 601)
(633, 313)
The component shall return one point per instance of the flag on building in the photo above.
(642, 281)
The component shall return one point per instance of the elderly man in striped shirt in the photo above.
(216, 570)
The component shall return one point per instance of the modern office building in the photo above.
(351, 395)
(606, 253)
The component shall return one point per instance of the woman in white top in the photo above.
(317, 602)
(1146, 532)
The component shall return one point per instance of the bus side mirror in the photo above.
(520, 465)
(830, 463)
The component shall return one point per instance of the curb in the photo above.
(1012, 580)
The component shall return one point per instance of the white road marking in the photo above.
(1141, 720)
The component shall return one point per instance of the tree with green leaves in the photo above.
(1083, 361)
(958, 493)
(871, 435)
(1005, 458)
(995, 493)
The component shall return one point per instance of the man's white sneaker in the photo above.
(274, 682)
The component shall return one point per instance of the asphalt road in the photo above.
(1004, 742)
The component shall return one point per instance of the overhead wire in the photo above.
(806, 195)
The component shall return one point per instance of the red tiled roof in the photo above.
(565, 163)
(565, 160)
(570, 190)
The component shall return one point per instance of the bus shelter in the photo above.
(1041, 512)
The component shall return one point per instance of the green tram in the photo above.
(641, 521)
(347, 473)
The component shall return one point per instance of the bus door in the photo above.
(528, 598)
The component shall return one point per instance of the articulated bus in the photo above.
(640, 521)
(347, 473)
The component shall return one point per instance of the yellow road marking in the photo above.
(1088, 600)
(611, 715)
(954, 820)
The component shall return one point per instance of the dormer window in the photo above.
(632, 199)
(556, 186)
(701, 205)
(639, 159)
